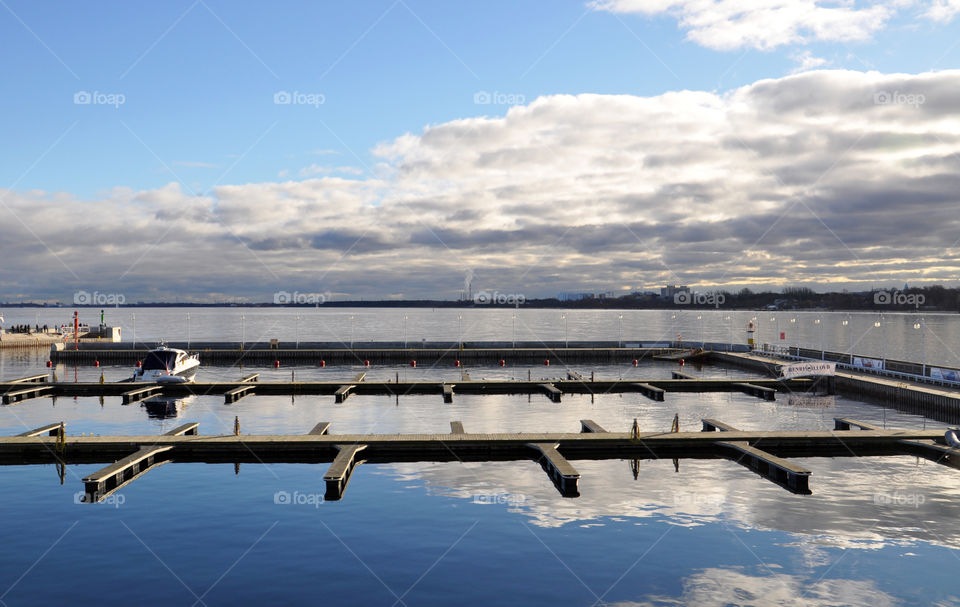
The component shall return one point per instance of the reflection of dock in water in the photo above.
(165, 407)
(764, 452)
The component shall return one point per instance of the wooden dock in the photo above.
(763, 452)
(341, 390)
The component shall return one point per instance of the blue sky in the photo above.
(183, 93)
(199, 78)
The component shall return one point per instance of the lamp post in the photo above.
(700, 318)
(297, 325)
(922, 325)
(188, 330)
(566, 342)
(243, 330)
(460, 331)
(514, 341)
(351, 331)
(796, 338)
(846, 323)
(134, 331)
(404, 331)
(620, 330)
(883, 345)
(820, 325)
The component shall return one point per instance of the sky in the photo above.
(205, 150)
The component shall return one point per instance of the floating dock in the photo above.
(761, 451)
(131, 392)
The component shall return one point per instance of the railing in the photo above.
(894, 369)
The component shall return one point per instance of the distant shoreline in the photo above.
(532, 304)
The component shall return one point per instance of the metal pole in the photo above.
(134, 332)
(243, 330)
(298, 331)
(404, 331)
(923, 339)
(620, 330)
(460, 331)
(188, 330)
(514, 331)
(566, 342)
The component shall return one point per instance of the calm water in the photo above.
(876, 531)
(934, 338)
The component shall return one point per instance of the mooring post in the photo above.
(236, 425)
(635, 431)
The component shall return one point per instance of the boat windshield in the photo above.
(162, 361)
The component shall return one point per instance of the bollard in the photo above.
(675, 427)
(236, 425)
(635, 431)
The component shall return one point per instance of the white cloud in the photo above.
(807, 61)
(943, 10)
(826, 177)
(764, 24)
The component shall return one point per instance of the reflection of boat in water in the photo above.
(164, 364)
(163, 407)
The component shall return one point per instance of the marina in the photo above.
(548, 447)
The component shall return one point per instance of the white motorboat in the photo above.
(164, 364)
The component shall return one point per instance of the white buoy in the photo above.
(952, 438)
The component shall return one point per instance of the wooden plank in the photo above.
(551, 391)
(16, 396)
(758, 391)
(783, 472)
(447, 393)
(320, 429)
(250, 378)
(107, 480)
(679, 375)
(588, 425)
(29, 379)
(50, 430)
(338, 474)
(135, 396)
(709, 425)
(845, 423)
(651, 392)
(360, 377)
(184, 430)
(232, 396)
(564, 476)
(343, 393)
(456, 428)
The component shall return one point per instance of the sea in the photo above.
(874, 531)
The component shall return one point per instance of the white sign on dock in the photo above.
(807, 369)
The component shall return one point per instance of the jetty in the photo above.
(763, 452)
(341, 390)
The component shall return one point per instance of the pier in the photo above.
(131, 392)
(763, 452)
